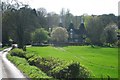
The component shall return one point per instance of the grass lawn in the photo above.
(100, 61)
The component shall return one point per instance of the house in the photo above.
(77, 35)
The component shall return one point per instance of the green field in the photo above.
(102, 62)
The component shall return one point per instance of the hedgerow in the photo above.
(23, 65)
(17, 52)
(60, 68)
(54, 67)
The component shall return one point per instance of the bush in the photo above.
(17, 52)
(28, 56)
(45, 64)
(34, 60)
(51, 66)
(30, 71)
(70, 70)
(60, 68)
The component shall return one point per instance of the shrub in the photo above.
(45, 63)
(29, 55)
(70, 70)
(51, 66)
(17, 52)
(30, 71)
(34, 60)
(60, 68)
(16, 60)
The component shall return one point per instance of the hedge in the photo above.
(23, 65)
(54, 67)
(59, 68)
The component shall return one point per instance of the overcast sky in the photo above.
(77, 7)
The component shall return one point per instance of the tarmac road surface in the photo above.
(8, 69)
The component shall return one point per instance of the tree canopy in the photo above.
(59, 34)
(19, 21)
(39, 36)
